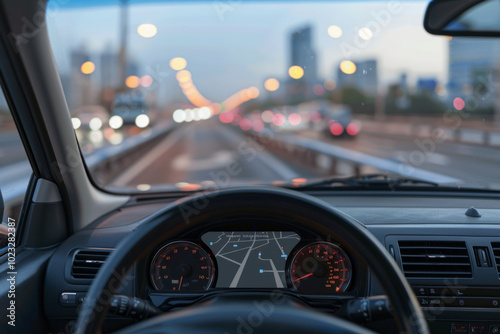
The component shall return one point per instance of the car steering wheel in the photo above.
(224, 313)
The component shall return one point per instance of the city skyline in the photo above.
(251, 61)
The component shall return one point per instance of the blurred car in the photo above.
(335, 120)
(129, 110)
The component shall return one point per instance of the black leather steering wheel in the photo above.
(221, 314)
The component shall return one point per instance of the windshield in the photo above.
(186, 95)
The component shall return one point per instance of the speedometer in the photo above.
(182, 266)
(320, 268)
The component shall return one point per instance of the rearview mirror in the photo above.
(463, 18)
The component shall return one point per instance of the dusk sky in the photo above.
(234, 47)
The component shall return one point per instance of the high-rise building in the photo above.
(302, 53)
(110, 71)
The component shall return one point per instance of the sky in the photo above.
(231, 45)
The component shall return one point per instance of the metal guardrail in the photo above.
(321, 155)
(487, 136)
(104, 163)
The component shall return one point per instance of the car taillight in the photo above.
(336, 129)
(352, 129)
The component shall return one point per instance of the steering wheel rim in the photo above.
(193, 211)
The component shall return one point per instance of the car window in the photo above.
(169, 96)
(15, 172)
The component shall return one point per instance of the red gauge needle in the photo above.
(298, 279)
(179, 288)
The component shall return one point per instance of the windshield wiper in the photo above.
(368, 181)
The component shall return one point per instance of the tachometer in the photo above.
(320, 268)
(182, 266)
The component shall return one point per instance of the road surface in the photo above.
(211, 153)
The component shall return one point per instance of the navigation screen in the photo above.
(251, 259)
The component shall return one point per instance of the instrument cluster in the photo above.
(264, 259)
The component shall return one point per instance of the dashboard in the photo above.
(249, 254)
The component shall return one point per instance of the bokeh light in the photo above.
(294, 119)
(334, 31)
(330, 84)
(296, 72)
(336, 129)
(271, 84)
(146, 81)
(279, 119)
(459, 103)
(348, 67)
(178, 63)
(76, 123)
(147, 30)
(88, 67)
(267, 116)
(132, 81)
(365, 33)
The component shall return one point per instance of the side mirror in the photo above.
(463, 18)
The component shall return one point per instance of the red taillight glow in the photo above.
(279, 119)
(294, 119)
(226, 117)
(245, 124)
(352, 129)
(459, 103)
(258, 125)
(336, 129)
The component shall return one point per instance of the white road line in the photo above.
(236, 278)
(225, 258)
(139, 167)
(277, 278)
(219, 238)
(279, 246)
(266, 158)
(228, 240)
(267, 243)
(234, 251)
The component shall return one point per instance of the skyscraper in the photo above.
(303, 54)
(110, 72)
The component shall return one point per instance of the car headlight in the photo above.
(115, 122)
(95, 124)
(142, 121)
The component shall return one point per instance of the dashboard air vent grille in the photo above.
(86, 263)
(496, 253)
(435, 259)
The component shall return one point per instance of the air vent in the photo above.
(496, 252)
(86, 263)
(435, 259)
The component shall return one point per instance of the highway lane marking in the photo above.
(219, 159)
(266, 158)
(236, 279)
(137, 168)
